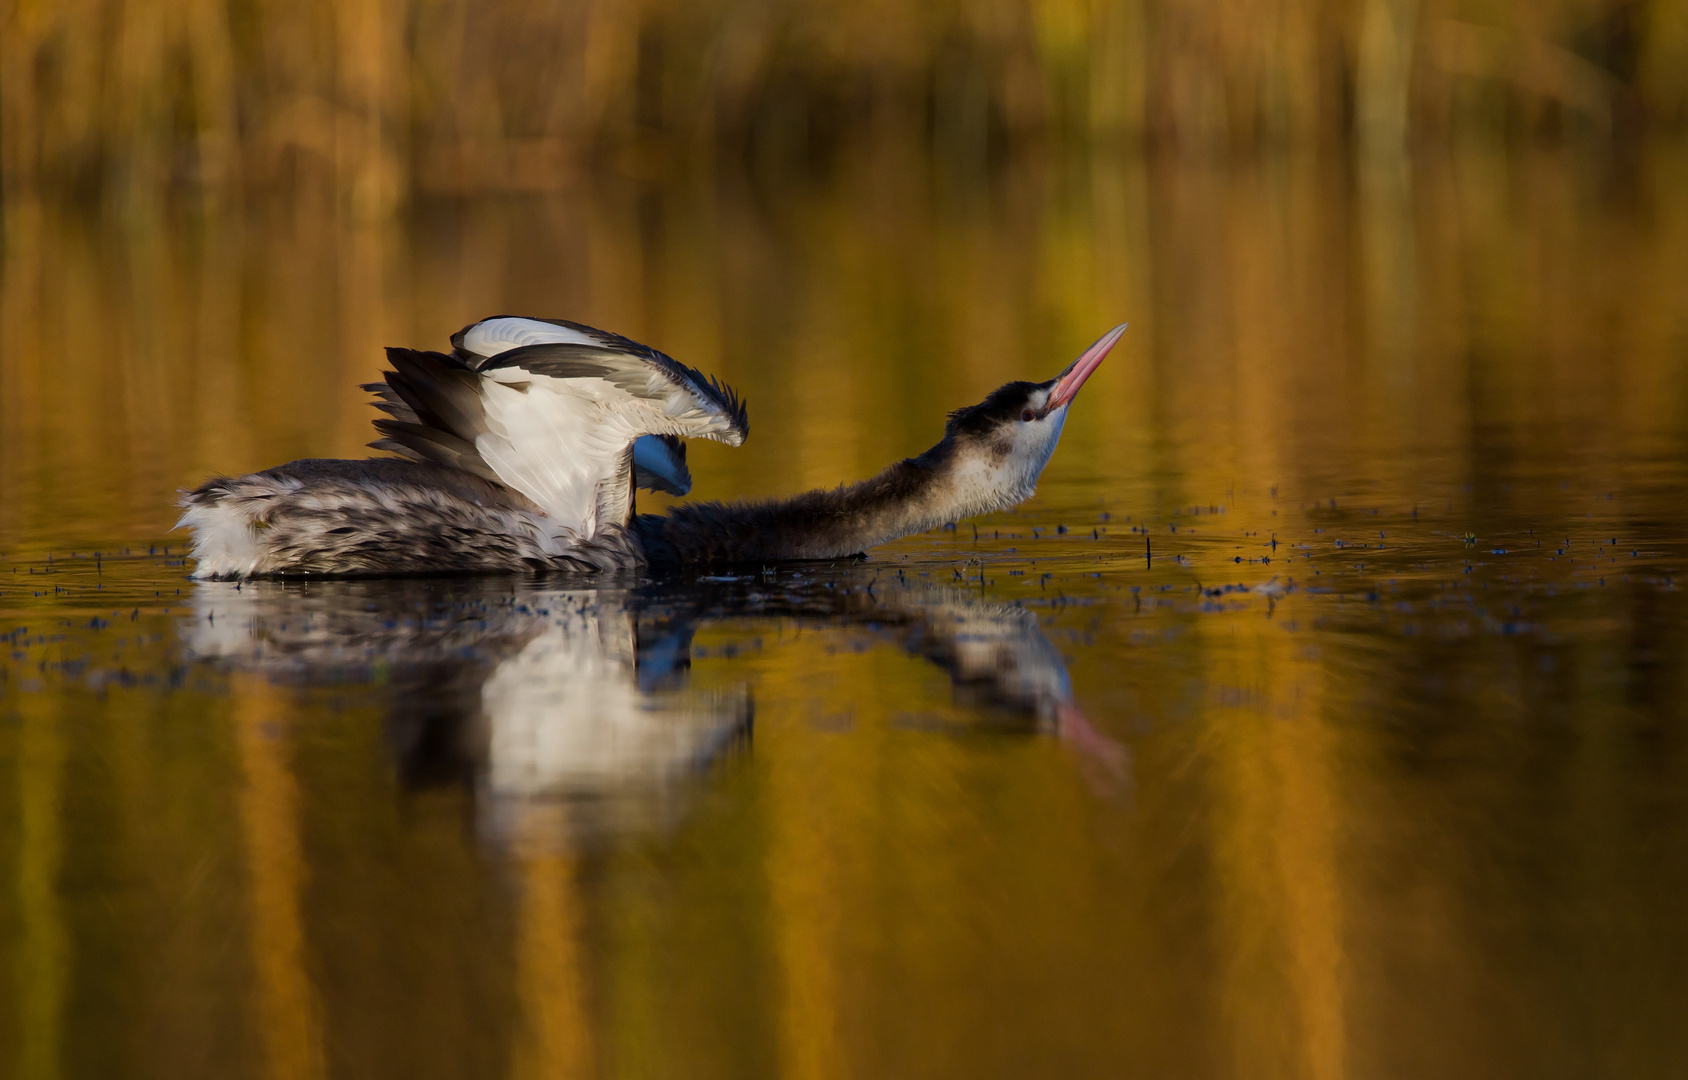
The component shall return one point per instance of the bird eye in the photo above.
(1028, 415)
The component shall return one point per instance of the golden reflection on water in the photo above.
(269, 810)
(41, 959)
(1280, 850)
(1427, 819)
(556, 1040)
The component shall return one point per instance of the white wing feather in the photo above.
(563, 441)
(489, 337)
(559, 440)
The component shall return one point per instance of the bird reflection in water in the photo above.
(571, 712)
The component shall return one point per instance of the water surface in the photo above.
(1323, 715)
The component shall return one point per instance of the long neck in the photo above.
(911, 496)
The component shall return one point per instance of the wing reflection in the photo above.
(572, 737)
(542, 699)
(570, 711)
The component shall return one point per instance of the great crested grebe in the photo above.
(522, 447)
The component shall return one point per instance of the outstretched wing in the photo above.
(550, 409)
(566, 347)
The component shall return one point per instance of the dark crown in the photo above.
(1003, 404)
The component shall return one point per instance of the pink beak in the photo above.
(1067, 384)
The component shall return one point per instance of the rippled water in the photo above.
(1323, 715)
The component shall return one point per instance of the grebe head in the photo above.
(1000, 446)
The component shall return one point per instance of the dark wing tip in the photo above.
(394, 446)
(433, 410)
(723, 396)
(736, 407)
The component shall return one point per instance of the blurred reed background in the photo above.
(377, 99)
